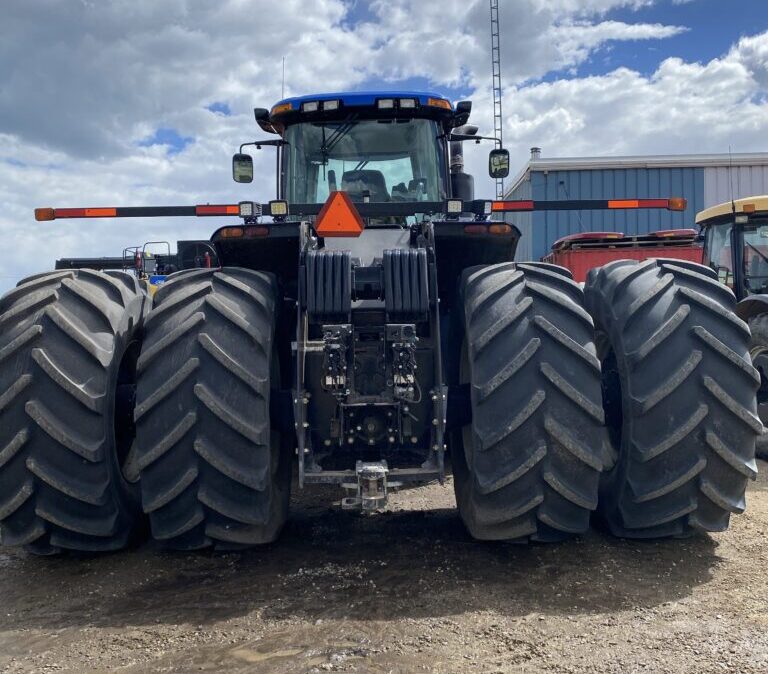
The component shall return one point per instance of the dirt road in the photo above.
(406, 591)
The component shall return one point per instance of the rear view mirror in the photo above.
(498, 163)
(242, 168)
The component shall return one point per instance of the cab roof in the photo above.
(362, 98)
(753, 205)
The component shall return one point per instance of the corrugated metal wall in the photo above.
(747, 181)
(540, 230)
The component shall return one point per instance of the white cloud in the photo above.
(89, 80)
(681, 108)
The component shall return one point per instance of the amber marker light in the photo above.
(439, 103)
(231, 233)
(677, 204)
(283, 107)
(500, 230)
(43, 214)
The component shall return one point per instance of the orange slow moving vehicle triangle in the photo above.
(339, 217)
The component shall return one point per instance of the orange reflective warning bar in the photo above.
(674, 204)
(43, 214)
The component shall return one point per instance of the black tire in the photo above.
(531, 459)
(69, 341)
(679, 394)
(758, 352)
(213, 472)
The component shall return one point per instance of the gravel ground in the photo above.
(404, 591)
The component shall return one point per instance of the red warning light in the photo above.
(339, 217)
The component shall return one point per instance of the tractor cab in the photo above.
(736, 244)
(377, 147)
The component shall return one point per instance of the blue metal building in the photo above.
(704, 180)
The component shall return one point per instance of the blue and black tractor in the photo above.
(370, 328)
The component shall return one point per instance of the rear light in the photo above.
(249, 209)
(310, 106)
(385, 103)
(278, 208)
(42, 214)
(257, 230)
(500, 229)
(487, 207)
(408, 103)
(475, 229)
(454, 206)
(331, 105)
(232, 232)
(281, 108)
(439, 103)
(677, 204)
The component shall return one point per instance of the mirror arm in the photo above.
(461, 137)
(258, 143)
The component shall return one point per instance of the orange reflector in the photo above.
(44, 214)
(623, 203)
(100, 212)
(500, 229)
(283, 107)
(231, 232)
(677, 204)
(439, 103)
(224, 209)
(339, 217)
(522, 205)
(748, 208)
(475, 229)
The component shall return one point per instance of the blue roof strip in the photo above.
(362, 98)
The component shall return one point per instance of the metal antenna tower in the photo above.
(496, 81)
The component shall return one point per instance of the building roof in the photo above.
(753, 204)
(635, 162)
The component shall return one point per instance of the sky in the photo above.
(139, 102)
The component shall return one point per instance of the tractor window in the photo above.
(383, 160)
(756, 257)
(718, 248)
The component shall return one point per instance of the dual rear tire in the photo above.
(528, 466)
(214, 473)
(107, 410)
(679, 390)
(69, 342)
(649, 418)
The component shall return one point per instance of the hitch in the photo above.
(372, 487)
